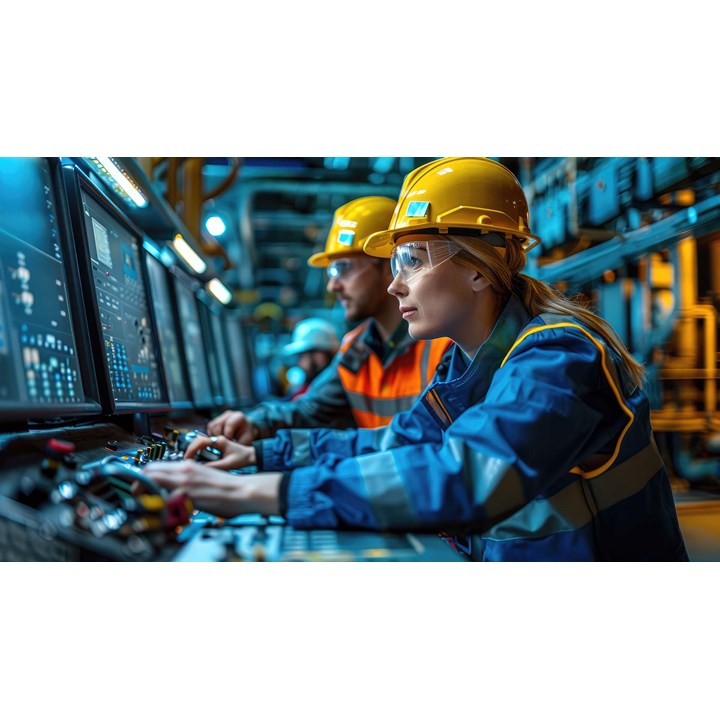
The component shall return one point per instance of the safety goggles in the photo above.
(410, 260)
(345, 267)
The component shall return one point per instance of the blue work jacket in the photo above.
(539, 449)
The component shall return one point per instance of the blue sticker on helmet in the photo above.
(346, 237)
(417, 209)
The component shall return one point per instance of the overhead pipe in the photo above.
(235, 165)
(194, 198)
(590, 264)
(247, 251)
(172, 194)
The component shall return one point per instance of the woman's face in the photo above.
(436, 298)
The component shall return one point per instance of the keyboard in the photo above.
(254, 538)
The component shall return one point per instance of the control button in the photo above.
(55, 452)
(60, 447)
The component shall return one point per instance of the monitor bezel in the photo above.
(76, 182)
(91, 405)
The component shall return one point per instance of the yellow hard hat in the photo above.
(352, 223)
(467, 193)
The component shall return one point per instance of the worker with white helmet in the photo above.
(314, 343)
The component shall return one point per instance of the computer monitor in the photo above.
(114, 280)
(192, 339)
(212, 349)
(239, 358)
(227, 378)
(167, 323)
(40, 371)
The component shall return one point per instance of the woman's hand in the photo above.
(218, 492)
(234, 455)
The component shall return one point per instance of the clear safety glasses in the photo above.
(410, 260)
(346, 267)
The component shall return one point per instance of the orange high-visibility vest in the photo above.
(376, 393)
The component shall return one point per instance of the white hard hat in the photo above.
(312, 334)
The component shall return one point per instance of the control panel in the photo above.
(65, 496)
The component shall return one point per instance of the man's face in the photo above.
(360, 284)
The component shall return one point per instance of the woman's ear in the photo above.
(479, 282)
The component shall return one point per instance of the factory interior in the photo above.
(144, 294)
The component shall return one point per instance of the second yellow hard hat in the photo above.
(352, 224)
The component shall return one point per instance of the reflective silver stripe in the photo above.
(387, 407)
(566, 510)
(570, 509)
(626, 479)
(301, 447)
(424, 363)
(385, 491)
(491, 481)
(388, 439)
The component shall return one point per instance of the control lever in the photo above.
(129, 474)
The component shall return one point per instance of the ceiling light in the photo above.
(215, 225)
(218, 290)
(119, 180)
(189, 255)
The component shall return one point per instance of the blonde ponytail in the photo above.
(502, 266)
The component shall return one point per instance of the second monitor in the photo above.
(116, 299)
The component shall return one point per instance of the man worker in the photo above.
(379, 370)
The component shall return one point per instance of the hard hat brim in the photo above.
(323, 259)
(295, 348)
(381, 244)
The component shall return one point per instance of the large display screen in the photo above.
(39, 371)
(129, 341)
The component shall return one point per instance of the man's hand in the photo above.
(218, 492)
(234, 455)
(233, 425)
